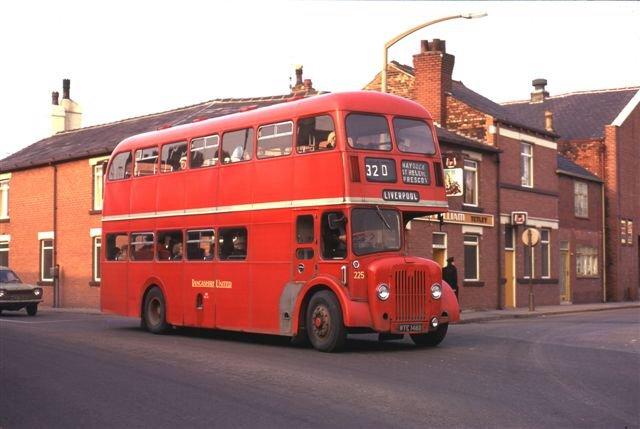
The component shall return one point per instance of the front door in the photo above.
(565, 277)
(305, 245)
(510, 278)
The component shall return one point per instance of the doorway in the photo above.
(565, 273)
(439, 250)
(509, 267)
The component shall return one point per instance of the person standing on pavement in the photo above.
(450, 275)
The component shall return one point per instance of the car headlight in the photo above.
(436, 291)
(1, 293)
(383, 291)
(37, 292)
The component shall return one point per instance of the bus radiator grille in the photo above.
(411, 296)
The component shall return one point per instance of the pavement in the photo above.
(474, 316)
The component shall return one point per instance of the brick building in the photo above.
(512, 169)
(600, 131)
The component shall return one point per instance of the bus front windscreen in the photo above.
(375, 230)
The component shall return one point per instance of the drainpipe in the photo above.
(604, 246)
(56, 273)
(499, 245)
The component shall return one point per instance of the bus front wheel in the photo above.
(154, 313)
(431, 339)
(325, 326)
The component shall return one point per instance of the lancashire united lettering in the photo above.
(213, 284)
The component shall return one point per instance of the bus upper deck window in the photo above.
(146, 162)
(237, 146)
(370, 132)
(414, 136)
(316, 133)
(275, 139)
(173, 157)
(204, 151)
(120, 166)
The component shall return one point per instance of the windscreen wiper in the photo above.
(382, 217)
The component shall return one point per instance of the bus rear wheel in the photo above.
(431, 339)
(154, 312)
(325, 326)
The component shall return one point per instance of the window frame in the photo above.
(5, 246)
(216, 159)
(587, 257)
(250, 152)
(532, 260)
(528, 159)
(46, 277)
(132, 244)
(426, 124)
(476, 244)
(545, 246)
(316, 144)
(188, 241)
(580, 197)
(127, 174)
(156, 164)
(473, 170)
(4, 198)
(161, 156)
(96, 255)
(221, 233)
(275, 135)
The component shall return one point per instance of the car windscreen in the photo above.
(8, 276)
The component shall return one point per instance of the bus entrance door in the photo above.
(306, 245)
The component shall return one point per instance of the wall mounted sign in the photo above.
(464, 218)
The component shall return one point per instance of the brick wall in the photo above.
(587, 153)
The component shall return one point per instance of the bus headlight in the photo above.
(436, 291)
(383, 291)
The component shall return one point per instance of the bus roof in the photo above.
(363, 101)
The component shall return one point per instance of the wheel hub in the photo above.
(321, 321)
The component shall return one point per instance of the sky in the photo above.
(132, 58)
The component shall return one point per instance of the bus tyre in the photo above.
(32, 309)
(431, 339)
(154, 312)
(325, 326)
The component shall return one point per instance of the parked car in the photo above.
(15, 295)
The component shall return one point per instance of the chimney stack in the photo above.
(298, 77)
(539, 93)
(548, 121)
(66, 115)
(433, 69)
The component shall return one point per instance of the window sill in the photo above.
(537, 281)
(94, 284)
(44, 283)
(587, 277)
(471, 208)
(5, 220)
(95, 212)
(473, 283)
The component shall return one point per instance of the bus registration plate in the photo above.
(410, 327)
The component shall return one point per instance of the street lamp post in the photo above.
(393, 41)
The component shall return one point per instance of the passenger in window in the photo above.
(239, 247)
(337, 243)
(330, 143)
(176, 254)
(183, 163)
(237, 154)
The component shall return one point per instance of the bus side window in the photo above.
(334, 235)
(316, 133)
(275, 139)
(204, 151)
(173, 157)
(146, 162)
(142, 246)
(232, 243)
(304, 229)
(201, 245)
(237, 146)
(117, 247)
(169, 246)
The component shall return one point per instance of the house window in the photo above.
(528, 262)
(46, 260)
(470, 182)
(97, 250)
(526, 164)
(586, 261)
(580, 199)
(98, 186)
(508, 237)
(4, 253)
(471, 257)
(545, 254)
(4, 199)
(623, 231)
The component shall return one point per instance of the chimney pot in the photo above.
(55, 96)
(539, 93)
(66, 89)
(307, 84)
(548, 121)
(298, 75)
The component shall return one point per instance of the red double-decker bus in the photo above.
(285, 220)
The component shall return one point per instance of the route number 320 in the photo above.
(377, 170)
